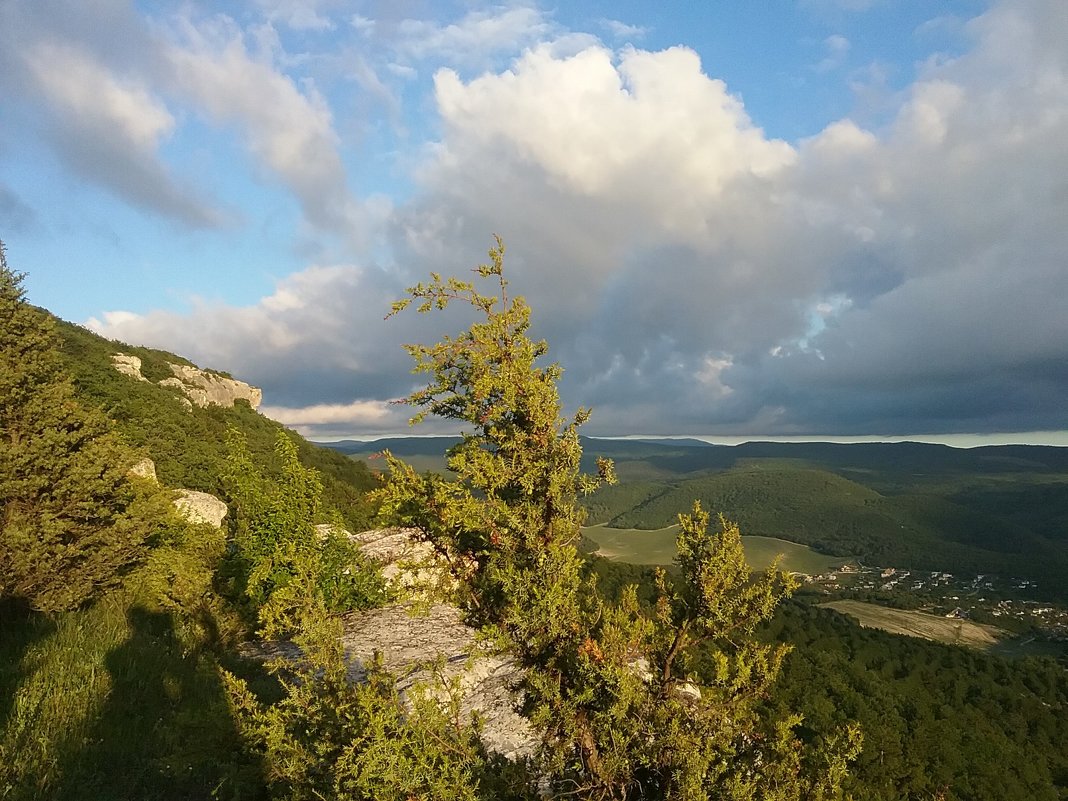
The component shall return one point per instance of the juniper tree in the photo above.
(71, 519)
(606, 686)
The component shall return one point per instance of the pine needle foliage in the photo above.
(605, 685)
(71, 520)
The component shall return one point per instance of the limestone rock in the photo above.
(200, 507)
(145, 468)
(405, 561)
(412, 642)
(198, 387)
(128, 365)
(209, 389)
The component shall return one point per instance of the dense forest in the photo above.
(939, 721)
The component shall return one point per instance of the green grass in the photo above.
(644, 547)
(106, 703)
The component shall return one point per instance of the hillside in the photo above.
(995, 509)
(150, 718)
(187, 442)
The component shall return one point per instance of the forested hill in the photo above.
(187, 442)
(1001, 510)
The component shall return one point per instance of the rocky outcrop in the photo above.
(197, 387)
(413, 642)
(421, 643)
(405, 561)
(200, 507)
(193, 506)
(128, 365)
(144, 468)
(209, 389)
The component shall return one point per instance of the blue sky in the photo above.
(735, 219)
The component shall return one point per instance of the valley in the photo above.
(909, 528)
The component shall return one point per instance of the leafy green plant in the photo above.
(277, 548)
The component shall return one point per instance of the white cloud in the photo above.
(357, 415)
(476, 37)
(109, 128)
(837, 48)
(593, 127)
(623, 31)
(288, 128)
(87, 90)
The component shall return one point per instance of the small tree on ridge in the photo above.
(606, 686)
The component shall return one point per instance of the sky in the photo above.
(808, 218)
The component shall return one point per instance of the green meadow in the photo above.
(657, 547)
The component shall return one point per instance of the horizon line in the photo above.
(1054, 439)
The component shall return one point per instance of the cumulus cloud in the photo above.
(109, 129)
(695, 275)
(660, 232)
(288, 128)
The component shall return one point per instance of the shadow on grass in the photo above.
(20, 628)
(165, 731)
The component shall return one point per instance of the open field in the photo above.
(644, 547)
(921, 624)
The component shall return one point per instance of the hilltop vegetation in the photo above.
(139, 693)
(117, 613)
(898, 512)
(188, 446)
(939, 721)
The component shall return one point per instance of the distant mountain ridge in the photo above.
(696, 454)
(993, 509)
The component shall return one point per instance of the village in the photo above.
(1010, 603)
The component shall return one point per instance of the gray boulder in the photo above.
(200, 507)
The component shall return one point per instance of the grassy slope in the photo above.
(644, 547)
(189, 447)
(107, 703)
(114, 701)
